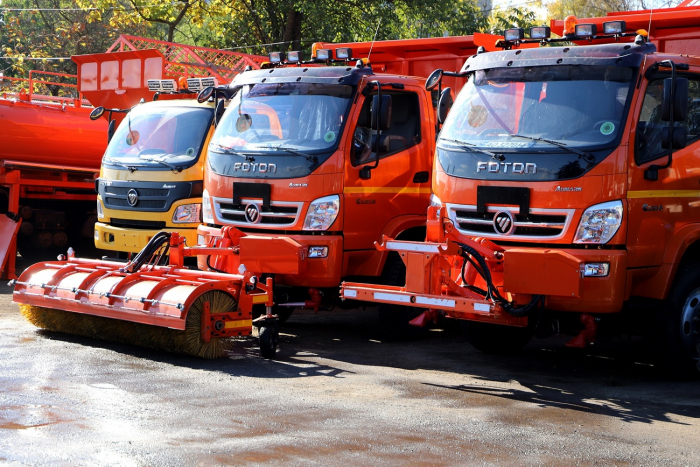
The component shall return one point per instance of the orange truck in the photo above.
(295, 157)
(565, 190)
(309, 165)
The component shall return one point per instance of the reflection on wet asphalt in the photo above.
(337, 395)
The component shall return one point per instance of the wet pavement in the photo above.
(337, 395)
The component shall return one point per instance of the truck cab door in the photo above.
(657, 209)
(400, 184)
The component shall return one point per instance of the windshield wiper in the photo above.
(473, 147)
(174, 168)
(587, 156)
(226, 150)
(312, 159)
(130, 168)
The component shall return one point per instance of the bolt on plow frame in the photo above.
(154, 305)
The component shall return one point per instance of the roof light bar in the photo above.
(540, 32)
(515, 34)
(324, 54)
(343, 53)
(585, 30)
(614, 27)
(197, 84)
(162, 85)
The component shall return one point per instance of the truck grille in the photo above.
(541, 224)
(145, 203)
(132, 223)
(279, 214)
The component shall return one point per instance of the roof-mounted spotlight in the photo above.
(614, 27)
(585, 30)
(515, 34)
(276, 57)
(343, 53)
(324, 54)
(294, 57)
(540, 32)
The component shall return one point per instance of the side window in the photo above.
(403, 132)
(647, 146)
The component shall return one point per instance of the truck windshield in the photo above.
(306, 117)
(159, 137)
(579, 106)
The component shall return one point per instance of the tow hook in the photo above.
(587, 335)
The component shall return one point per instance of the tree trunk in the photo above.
(292, 30)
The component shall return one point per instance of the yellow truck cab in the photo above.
(151, 174)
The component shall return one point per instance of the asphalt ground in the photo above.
(337, 395)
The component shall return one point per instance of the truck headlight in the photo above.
(599, 223)
(435, 201)
(322, 213)
(207, 214)
(100, 211)
(187, 213)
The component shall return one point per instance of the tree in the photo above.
(51, 29)
(513, 17)
(560, 9)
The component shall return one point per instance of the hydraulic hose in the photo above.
(146, 254)
(471, 254)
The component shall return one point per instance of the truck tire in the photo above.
(679, 325)
(394, 319)
(496, 339)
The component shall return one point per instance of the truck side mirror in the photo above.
(110, 130)
(444, 104)
(680, 137)
(383, 121)
(433, 80)
(205, 94)
(680, 102)
(96, 113)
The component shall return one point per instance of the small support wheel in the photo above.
(269, 335)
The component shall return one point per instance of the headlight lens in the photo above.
(599, 223)
(322, 213)
(207, 214)
(100, 211)
(187, 213)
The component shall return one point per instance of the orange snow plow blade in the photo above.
(164, 307)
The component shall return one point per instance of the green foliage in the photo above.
(513, 17)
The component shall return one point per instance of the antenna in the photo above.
(651, 12)
(373, 40)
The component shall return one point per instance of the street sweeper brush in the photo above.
(164, 307)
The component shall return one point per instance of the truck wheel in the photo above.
(394, 319)
(496, 339)
(679, 325)
(268, 340)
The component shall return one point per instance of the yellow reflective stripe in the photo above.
(386, 189)
(259, 298)
(241, 323)
(664, 194)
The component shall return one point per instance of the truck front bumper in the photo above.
(323, 271)
(108, 237)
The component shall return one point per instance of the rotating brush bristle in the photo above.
(153, 337)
